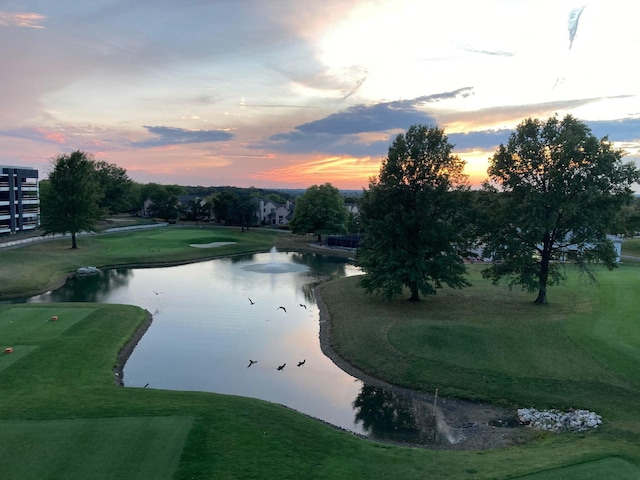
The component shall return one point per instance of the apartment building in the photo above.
(19, 199)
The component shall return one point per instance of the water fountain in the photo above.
(277, 263)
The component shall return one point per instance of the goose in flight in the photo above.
(281, 366)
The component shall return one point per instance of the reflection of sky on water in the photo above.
(205, 330)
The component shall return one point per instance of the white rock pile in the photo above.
(557, 421)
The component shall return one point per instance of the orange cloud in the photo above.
(344, 172)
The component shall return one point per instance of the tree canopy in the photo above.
(559, 191)
(413, 218)
(320, 210)
(164, 200)
(116, 187)
(69, 200)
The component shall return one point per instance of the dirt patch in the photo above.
(476, 426)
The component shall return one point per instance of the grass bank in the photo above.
(490, 344)
(62, 417)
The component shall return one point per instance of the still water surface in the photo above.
(206, 330)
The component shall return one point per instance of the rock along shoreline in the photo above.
(126, 351)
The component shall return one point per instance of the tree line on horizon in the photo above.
(553, 193)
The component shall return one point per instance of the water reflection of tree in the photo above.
(322, 268)
(388, 416)
(250, 257)
(92, 288)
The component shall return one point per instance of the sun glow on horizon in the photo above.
(344, 172)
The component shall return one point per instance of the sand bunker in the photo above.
(210, 245)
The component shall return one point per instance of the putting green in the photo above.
(102, 448)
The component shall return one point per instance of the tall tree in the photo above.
(222, 203)
(70, 201)
(320, 210)
(413, 218)
(116, 186)
(560, 190)
(243, 210)
(164, 200)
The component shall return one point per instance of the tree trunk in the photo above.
(544, 276)
(415, 297)
(74, 244)
(542, 297)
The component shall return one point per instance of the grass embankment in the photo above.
(491, 344)
(61, 416)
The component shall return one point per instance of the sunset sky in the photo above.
(290, 93)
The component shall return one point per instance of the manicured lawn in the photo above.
(58, 398)
(612, 467)
(491, 344)
(96, 448)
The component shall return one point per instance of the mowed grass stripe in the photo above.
(610, 331)
(19, 351)
(35, 324)
(98, 449)
(611, 467)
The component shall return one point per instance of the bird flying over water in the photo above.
(285, 310)
(281, 366)
(302, 362)
(303, 306)
(157, 293)
(251, 302)
(251, 362)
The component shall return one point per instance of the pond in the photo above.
(249, 325)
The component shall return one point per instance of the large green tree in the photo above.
(414, 219)
(243, 210)
(116, 186)
(222, 204)
(69, 201)
(320, 210)
(164, 200)
(557, 190)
